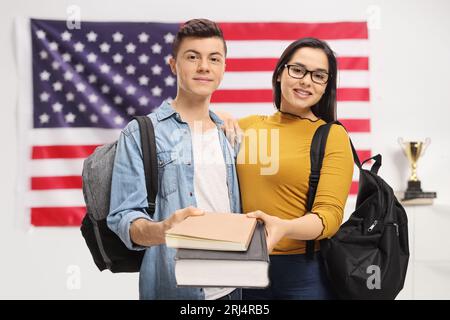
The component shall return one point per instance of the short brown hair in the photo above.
(197, 28)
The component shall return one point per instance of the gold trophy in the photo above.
(413, 151)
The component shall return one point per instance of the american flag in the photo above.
(89, 82)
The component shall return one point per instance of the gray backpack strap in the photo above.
(97, 174)
(148, 145)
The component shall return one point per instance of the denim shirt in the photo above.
(175, 191)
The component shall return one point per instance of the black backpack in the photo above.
(368, 257)
(107, 249)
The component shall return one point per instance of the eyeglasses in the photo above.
(299, 72)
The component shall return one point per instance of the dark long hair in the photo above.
(326, 107)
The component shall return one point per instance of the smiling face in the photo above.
(299, 95)
(199, 65)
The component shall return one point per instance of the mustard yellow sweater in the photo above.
(276, 180)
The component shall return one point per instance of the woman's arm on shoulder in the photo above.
(234, 127)
(248, 121)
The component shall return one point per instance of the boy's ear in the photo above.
(172, 64)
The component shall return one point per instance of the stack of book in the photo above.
(220, 250)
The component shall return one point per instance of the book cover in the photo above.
(212, 231)
(208, 268)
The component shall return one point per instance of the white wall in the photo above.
(409, 67)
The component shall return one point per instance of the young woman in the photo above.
(304, 93)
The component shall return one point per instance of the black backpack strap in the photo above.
(377, 164)
(148, 144)
(317, 153)
(355, 154)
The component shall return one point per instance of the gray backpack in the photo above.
(107, 249)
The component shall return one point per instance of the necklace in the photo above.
(300, 117)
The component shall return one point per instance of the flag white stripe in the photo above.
(274, 48)
(349, 207)
(353, 79)
(355, 173)
(353, 109)
(56, 198)
(70, 167)
(361, 141)
(263, 80)
(56, 167)
(73, 136)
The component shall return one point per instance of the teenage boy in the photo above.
(196, 165)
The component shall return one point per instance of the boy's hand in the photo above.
(180, 215)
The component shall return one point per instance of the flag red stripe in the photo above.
(265, 95)
(57, 216)
(353, 94)
(62, 152)
(60, 182)
(354, 188)
(293, 31)
(356, 125)
(268, 64)
(250, 64)
(364, 154)
(243, 96)
(353, 63)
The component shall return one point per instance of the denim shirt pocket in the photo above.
(167, 173)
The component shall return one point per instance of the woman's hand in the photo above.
(231, 127)
(275, 227)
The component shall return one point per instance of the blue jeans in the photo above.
(233, 295)
(293, 277)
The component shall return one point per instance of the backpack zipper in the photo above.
(390, 223)
(372, 226)
(396, 227)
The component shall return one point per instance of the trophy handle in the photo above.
(425, 145)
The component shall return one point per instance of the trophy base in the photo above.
(412, 194)
(414, 191)
(414, 186)
(400, 195)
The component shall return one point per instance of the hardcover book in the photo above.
(208, 268)
(212, 231)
